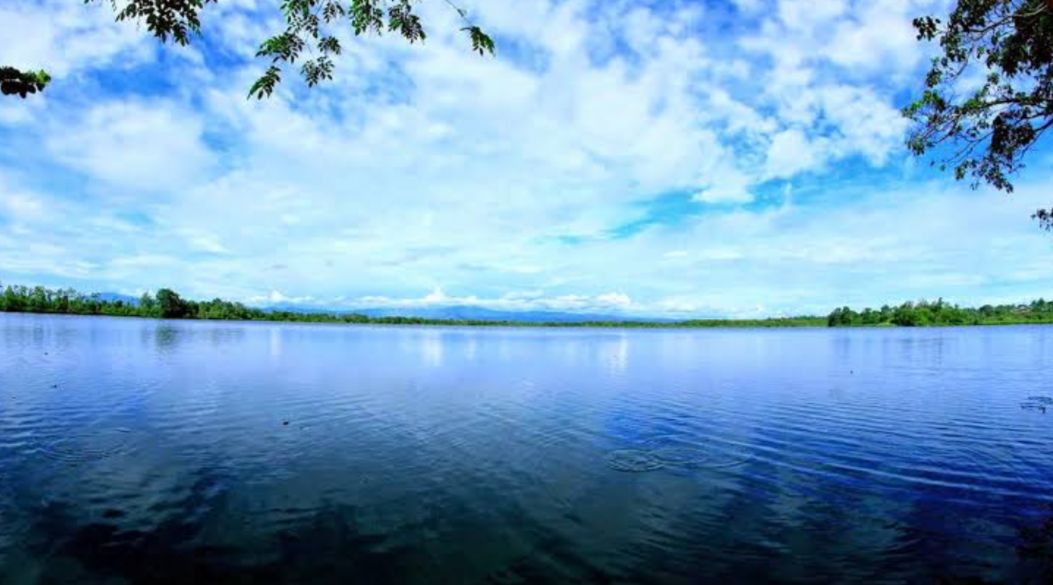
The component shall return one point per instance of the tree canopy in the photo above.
(311, 28)
(988, 95)
(926, 313)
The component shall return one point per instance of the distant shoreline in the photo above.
(773, 323)
(335, 319)
(167, 304)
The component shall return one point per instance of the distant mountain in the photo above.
(484, 314)
(114, 297)
(468, 312)
(297, 308)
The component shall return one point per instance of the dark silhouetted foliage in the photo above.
(171, 305)
(310, 29)
(985, 133)
(22, 83)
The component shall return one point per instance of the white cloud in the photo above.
(808, 14)
(148, 146)
(499, 182)
(67, 37)
(277, 298)
(879, 36)
(864, 123)
(725, 184)
(19, 206)
(614, 299)
(510, 301)
(789, 153)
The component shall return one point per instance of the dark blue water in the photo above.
(152, 451)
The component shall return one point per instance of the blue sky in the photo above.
(649, 158)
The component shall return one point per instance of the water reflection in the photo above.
(432, 347)
(617, 352)
(139, 450)
(275, 341)
(166, 336)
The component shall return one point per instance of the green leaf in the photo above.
(264, 86)
(481, 42)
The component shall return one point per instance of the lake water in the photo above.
(139, 451)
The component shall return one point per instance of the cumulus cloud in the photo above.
(789, 153)
(145, 146)
(426, 175)
(16, 206)
(510, 301)
(67, 38)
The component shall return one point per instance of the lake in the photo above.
(160, 451)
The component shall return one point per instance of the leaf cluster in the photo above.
(22, 83)
(309, 31)
(308, 41)
(985, 133)
(165, 19)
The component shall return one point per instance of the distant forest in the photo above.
(167, 304)
(925, 313)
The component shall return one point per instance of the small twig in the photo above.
(464, 13)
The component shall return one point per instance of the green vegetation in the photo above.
(14, 81)
(167, 304)
(311, 28)
(985, 131)
(940, 313)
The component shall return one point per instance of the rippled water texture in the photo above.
(138, 451)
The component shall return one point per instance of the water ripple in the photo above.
(312, 454)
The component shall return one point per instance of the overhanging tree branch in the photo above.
(986, 133)
(310, 29)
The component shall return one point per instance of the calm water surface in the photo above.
(138, 451)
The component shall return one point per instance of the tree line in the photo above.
(925, 313)
(168, 304)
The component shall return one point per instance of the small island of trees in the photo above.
(924, 313)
